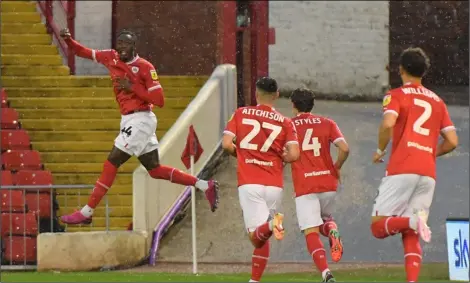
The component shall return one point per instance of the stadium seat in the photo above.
(9, 119)
(32, 178)
(3, 97)
(18, 249)
(39, 204)
(21, 160)
(12, 201)
(15, 139)
(7, 178)
(21, 224)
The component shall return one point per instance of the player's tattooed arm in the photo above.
(228, 145)
(343, 153)
(385, 135)
(449, 143)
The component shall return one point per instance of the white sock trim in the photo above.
(261, 257)
(317, 250)
(103, 185)
(413, 254)
(386, 225)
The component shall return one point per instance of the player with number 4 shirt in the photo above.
(264, 139)
(415, 117)
(316, 179)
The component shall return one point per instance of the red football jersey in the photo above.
(422, 116)
(315, 172)
(261, 134)
(139, 71)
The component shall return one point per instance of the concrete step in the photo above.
(115, 190)
(78, 157)
(83, 124)
(23, 28)
(93, 81)
(103, 146)
(113, 200)
(73, 229)
(89, 178)
(84, 103)
(29, 49)
(48, 60)
(114, 222)
(162, 113)
(87, 167)
(117, 211)
(26, 39)
(78, 136)
(17, 6)
(35, 70)
(170, 91)
(20, 17)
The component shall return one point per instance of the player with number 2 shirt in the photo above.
(415, 117)
(316, 179)
(264, 139)
(137, 89)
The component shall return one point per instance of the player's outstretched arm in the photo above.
(450, 142)
(228, 145)
(77, 48)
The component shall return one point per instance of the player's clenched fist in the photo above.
(65, 33)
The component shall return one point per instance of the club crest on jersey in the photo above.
(387, 100)
(154, 75)
(135, 69)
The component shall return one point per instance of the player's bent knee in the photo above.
(150, 160)
(118, 157)
(311, 230)
(377, 218)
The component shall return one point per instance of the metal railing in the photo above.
(39, 215)
(60, 14)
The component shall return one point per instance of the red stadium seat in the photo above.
(18, 249)
(9, 119)
(19, 224)
(39, 204)
(12, 201)
(4, 98)
(15, 139)
(7, 178)
(21, 160)
(33, 178)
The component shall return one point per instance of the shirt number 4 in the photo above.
(311, 143)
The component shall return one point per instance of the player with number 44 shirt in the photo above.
(415, 117)
(264, 139)
(316, 179)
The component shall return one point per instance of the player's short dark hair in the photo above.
(415, 62)
(303, 99)
(128, 32)
(267, 84)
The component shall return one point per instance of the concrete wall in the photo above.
(93, 29)
(333, 47)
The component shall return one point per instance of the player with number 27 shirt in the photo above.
(264, 140)
(316, 179)
(415, 117)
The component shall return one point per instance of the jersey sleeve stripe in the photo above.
(292, 142)
(93, 55)
(229, 133)
(448, 128)
(154, 88)
(391, 111)
(338, 140)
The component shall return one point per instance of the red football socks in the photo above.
(326, 227)
(259, 260)
(389, 226)
(413, 254)
(317, 251)
(173, 175)
(261, 235)
(105, 181)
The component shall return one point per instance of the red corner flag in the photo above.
(193, 147)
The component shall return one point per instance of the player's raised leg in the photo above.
(115, 159)
(329, 228)
(151, 162)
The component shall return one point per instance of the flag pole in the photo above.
(193, 216)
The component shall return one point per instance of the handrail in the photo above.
(52, 28)
(32, 187)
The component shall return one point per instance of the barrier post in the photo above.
(193, 216)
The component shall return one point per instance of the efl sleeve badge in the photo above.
(154, 75)
(387, 99)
